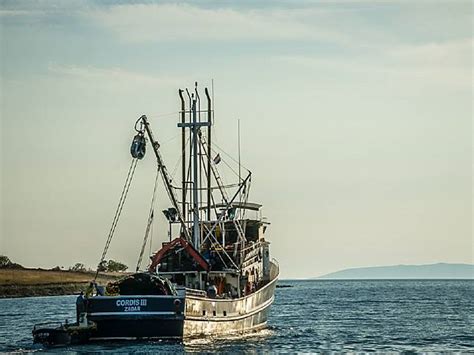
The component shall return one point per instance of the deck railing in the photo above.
(194, 292)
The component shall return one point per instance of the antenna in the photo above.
(240, 169)
(198, 100)
(238, 143)
(212, 93)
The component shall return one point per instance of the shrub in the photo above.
(6, 263)
(78, 267)
(111, 266)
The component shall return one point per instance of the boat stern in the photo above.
(136, 316)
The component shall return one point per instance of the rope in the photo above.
(150, 220)
(151, 239)
(118, 211)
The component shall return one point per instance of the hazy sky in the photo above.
(356, 120)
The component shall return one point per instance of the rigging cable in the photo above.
(175, 169)
(230, 156)
(118, 211)
(225, 163)
(150, 220)
(151, 239)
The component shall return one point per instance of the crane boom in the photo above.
(165, 175)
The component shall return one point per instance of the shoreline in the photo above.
(56, 289)
(21, 283)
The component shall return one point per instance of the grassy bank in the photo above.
(38, 282)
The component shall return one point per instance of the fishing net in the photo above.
(143, 283)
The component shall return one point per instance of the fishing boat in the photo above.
(213, 275)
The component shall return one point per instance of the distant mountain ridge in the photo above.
(429, 271)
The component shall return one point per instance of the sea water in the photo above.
(309, 316)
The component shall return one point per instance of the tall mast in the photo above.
(183, 152)
(196, 234)
(209, 121)
(194, 126)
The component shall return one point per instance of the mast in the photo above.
(188, 173)
(194, 127)
(209, 118)
(196, 234)
(183, 152)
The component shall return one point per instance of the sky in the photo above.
(356, 122)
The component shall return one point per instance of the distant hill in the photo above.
(431, 271)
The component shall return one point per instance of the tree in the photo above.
(102, 267)
(4, 261)
(113, 266)
(78, 267)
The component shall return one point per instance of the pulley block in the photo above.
(138, 147)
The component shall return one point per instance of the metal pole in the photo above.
(240, 169)
(183, 152)
(199, 149)
(209, 120)
(188, 175)
(196, 180)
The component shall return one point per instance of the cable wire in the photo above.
(150, 220)
(118, 211)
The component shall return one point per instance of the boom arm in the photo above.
(165, 175)
(155, 260)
